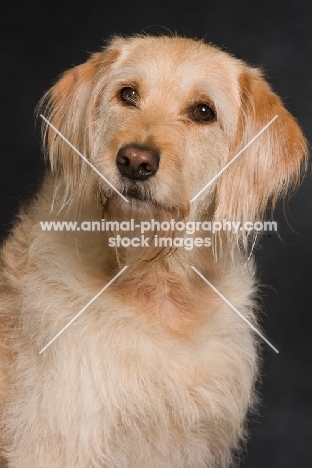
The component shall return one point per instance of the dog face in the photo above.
(160, 117)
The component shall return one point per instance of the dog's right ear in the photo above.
(70, 107)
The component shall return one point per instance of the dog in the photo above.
(157, 370)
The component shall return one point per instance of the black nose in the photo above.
(137, 162)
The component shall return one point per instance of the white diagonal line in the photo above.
(233, 159)
(82, 310)
(84, 158)
(235, 310)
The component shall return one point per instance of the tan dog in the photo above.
(158, 371)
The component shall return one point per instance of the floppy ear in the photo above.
(271, 165)
(70, 107)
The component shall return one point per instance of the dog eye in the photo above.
(202, 113)
(128, 96)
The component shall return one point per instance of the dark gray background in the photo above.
(41, 39)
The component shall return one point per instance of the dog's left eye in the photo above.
(202, 113)
(128, 96)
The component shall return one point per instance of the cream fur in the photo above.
(158, 371)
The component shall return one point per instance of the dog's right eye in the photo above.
(128, 96)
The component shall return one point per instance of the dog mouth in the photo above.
(140, 196)
(139, 191)
(142, 202)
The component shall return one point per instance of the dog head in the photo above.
(160, 117)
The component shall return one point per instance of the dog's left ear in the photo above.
(271, 165)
